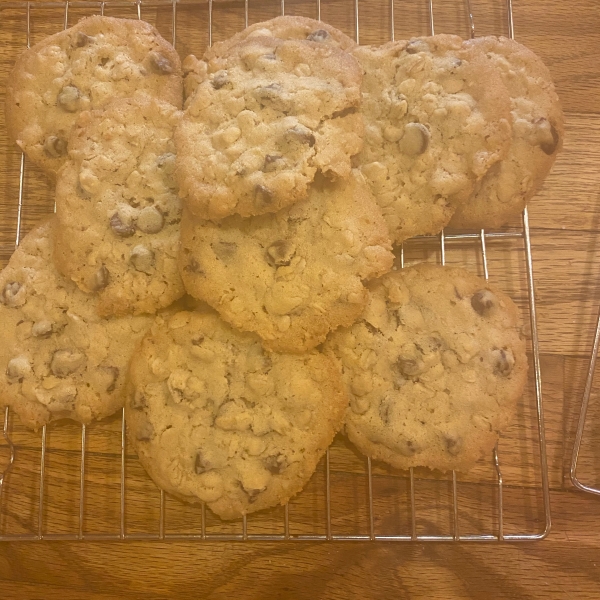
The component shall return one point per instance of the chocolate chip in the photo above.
(114, 374)
(201, 464)
(220, 79)
(66, 362)
(82, 39)
(193, 266)
(268, 94)
(263, 195)
(415, 46)
(276, 464)
(138, 401)
(483, 302)
(349, 110)
(548, 136)
(280, 253)
(503, 361)
(252, 493)
(150, 220)
(145, 432)
(13, 294)
(100, 279)
(41, 329)
(224, 250)
(410, 367)
(301, 134)
(408, 447)
(273, 162)
(119, 228)
(68, 98)
(55, 147)
(160, 63)
(320, 35)
(17, 368)
(453, 443)
(142, 259)
(415, 139)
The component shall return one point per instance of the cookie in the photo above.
(216, 419)
(434, 368)
(58, 359)
(284, 28)
(83, 68)
(538, 132)
(291, 276)
(437, 117)
(117, 207)
(267, 118)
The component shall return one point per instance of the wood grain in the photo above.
(564, 219)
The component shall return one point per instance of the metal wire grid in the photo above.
(582, 417)
(481, 238)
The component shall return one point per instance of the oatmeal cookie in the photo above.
(58, 358)
(266, 119)
(294, 275)
(84, 68)
(117, 208)
(437, 117)
(538, 132)
(216, 419)
(434, 368)
(284, 28)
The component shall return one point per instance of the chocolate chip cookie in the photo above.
(216, 419)
(538, 132)
(437, 117)
(118, 209)
(294, 275)
(268, 116)
(58, 358)
(83, 68)
(434, 368)
(284, 28)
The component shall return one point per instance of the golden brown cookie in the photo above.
(294, 275)
(268, 117)
(434, 368)
(216, 419)
(84, 68)
(537, 136)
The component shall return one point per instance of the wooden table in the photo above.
(564, 220)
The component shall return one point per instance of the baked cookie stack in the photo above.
(275, 197)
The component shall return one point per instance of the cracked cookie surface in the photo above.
(83, 68)
(434, 368)
(58, 358)
(268, 116)
(118, 209)
(294, 275)
(537, 136)
(437, 117)
(216, 419)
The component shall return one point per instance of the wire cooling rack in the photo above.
(581, 425)
(74, 482)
